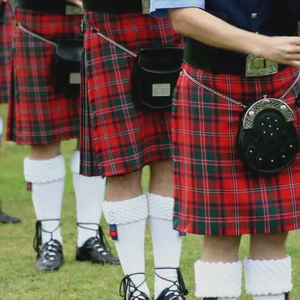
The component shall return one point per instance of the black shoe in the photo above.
(4, 218)
(51, 256)
(96, 250)
(129, 291)
(176, 291)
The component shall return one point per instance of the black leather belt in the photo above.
(113, 6)
(53, 6)
(217, 61)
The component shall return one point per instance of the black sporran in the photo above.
(267, 140)
(154, 77)
(2, 12)
(67, 66)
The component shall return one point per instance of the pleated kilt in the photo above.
(6, 40)
(123, 139)
(38, 115)
(214, 195)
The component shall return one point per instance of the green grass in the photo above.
(20, 280)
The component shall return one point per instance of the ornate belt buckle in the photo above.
(72, 10)
(146, 7)
(258, 66)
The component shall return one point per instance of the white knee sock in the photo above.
(130, 217)
(89, 193)
(218, 280)
(166, 242)
(268, 279)
(47, 180)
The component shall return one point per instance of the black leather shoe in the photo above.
(4, 218)
(129, 291)
(176, 291)
(97, 250)
(51, 256)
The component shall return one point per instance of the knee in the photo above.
(42, 152)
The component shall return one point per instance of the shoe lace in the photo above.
(127, 285)
(99, 241)
(37, 241)
(179, 285)
(51, 249)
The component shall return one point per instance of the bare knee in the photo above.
(220, 249)
(124, 187)
(161, 178)
(42, 152)
(268, 246)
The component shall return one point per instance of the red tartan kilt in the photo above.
(6, 39)
(39, 115)
(116, 137)
(213, 194)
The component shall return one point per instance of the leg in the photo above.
(166, 241)
(45, 172)
(89, 193)
(268, 270)
(218, 274)
(126, 211)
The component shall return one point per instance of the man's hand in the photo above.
(76, 2)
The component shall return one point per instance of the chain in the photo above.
(98, 33)
(231, 100)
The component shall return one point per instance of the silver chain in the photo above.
(98, 33)
(229, 99)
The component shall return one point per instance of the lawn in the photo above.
(18, 278)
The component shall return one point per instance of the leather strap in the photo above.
(113, 6)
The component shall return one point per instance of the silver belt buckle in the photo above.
(258, 66)
(72, 10)
(146, 7)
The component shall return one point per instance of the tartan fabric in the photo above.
(6, 40)
(124, 139)
(38, 115)
(213, 194)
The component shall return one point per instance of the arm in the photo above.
(76, 2)
(206, 28)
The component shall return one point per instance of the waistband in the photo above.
(113, 6)
(217, 62)
(54, 6)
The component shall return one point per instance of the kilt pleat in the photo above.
(124, 138)
(6, 40)
(213, 193)
(38, 114)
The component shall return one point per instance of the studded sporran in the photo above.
(267, 140)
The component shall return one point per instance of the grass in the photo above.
(20, 281)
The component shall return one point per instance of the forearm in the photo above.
(204, 27)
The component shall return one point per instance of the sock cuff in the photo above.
(218, 279)
(44, 171)
(127, 211)
(268, 277)
(75, 162)
(160, 207)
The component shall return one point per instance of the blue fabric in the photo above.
(159, 8)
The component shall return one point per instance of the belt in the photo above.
(217, 61)
(113, 6)
(53, 6)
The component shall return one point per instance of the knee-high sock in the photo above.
(47, 180)
(268, 279)
(166, 241)
(218, 280)
(130, 217)
(89, 193)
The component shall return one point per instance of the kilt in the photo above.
(6, 40)
(123, 138)
(213, 193)
(38, 114)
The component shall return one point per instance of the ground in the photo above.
(20, 281)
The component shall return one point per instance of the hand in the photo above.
(76, 2)
(284, 50)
